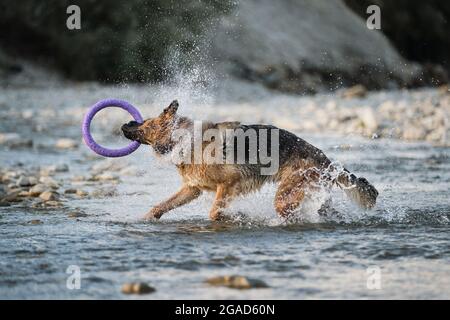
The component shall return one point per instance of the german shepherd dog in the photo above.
(301, 168)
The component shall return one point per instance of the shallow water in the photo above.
(406, 236)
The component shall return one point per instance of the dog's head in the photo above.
(156, 132)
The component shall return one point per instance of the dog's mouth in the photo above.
(132, 131)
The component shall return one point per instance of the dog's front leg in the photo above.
(224, 195)
(185, 195)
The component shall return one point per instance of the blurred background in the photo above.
(297, 46)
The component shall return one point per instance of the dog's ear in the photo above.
(171, 109)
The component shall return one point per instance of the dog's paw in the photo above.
(154, 214)
(150, 217)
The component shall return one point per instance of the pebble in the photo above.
(137, 288)
(35, 222)
(76, 214)
(236, 282)
(50, 170)
(14, 140)
(12, 197)
(52, 203)
(50, 182)
(79, 178)
(23, 193)
(70, 191)
(48, 196)
(66, 143)
(26, 181)
(104, 192)
(36, 190)
(106, 176)
(81, 193)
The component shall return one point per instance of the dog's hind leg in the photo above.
(185, 195)
(224, 195)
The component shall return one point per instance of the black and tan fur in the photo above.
(302, 167)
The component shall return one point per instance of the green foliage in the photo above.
(119, 40)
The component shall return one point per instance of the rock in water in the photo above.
(36, 190)
(14, 140)
(77, 214)
(66, 143)
(48, 196)
(137, 288)
(35, 222)
(50, 182)
(81, 193)
(26, 181)
(237, 282)
(70, 191)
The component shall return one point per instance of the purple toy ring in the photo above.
(87, 125)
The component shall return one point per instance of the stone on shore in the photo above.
(137, 288)
(36, 190)
(66, 143)
(26, 181)
(48, 196)
(14, 140)
(236, 282)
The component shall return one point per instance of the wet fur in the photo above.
(302, 167)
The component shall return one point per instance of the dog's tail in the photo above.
(359, 190)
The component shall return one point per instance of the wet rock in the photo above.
(27, 114)
(14, 140)
(108, 165)
(48, 196)
(77, 214)
(81, 193)
(104, 192)
(70, 191)
(10, 176)
(62, 167)
(79, 178)
(12, 197)
(52, 203)
(137, 288)
(35, 222)
(23, 194)
(66, 143)
(49, 182)
(236, 282)
(50, 170)
(106, 176)
(26, 181)
(36, 190)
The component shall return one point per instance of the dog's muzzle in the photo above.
(131, 130)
